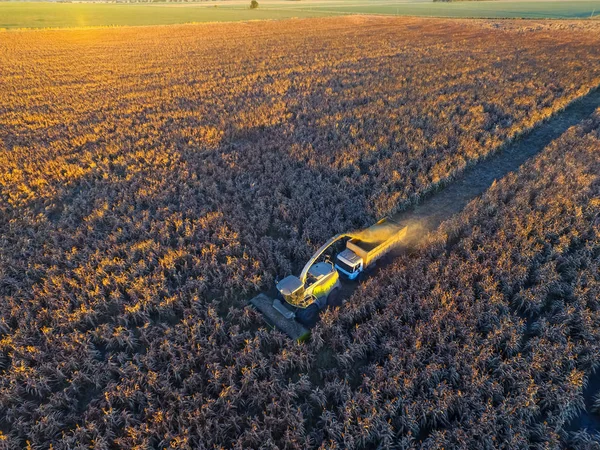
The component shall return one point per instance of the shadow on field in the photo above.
(449, 200)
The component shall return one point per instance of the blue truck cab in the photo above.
(349, 264)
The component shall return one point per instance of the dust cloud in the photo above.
(382, 232)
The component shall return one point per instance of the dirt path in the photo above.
(440, 205)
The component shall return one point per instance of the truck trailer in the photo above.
(363, 251)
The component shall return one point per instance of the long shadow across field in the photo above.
(440, 205)
(453, 196)
(450, 199)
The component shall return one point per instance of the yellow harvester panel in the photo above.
(325, 287)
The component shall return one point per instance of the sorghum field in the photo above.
(153, 179)
(486, 336)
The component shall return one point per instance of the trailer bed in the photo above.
(366, 246)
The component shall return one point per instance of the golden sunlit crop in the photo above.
(152, 179)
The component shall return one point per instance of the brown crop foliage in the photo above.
(486, 336)
(152, 179)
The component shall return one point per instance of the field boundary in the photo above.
(204, 13)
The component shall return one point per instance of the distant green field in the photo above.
(480, 9)
(58, 15)
(52, 15)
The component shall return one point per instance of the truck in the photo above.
(363, 251)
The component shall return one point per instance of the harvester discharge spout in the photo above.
(318, 253)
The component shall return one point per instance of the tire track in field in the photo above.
(453, 195)
(439, 205)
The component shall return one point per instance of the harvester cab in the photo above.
(321, 279)
(291, 289)
(306, 300)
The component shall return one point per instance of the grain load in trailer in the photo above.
(367, 247)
